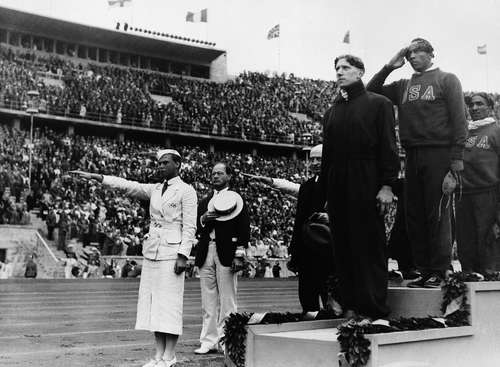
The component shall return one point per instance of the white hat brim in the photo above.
(237, 210)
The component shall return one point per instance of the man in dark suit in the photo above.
(313, 262)
(223, 237)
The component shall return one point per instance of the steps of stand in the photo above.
(47, 267)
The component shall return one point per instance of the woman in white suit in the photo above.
(173, 205)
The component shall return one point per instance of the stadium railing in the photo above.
(19, 104)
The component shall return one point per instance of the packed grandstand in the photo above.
(253, 107)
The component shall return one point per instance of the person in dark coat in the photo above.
(62, 236)
(31, 269)
(51, 222)
(276, 269)
(358, 168)
(223, 238)
(314, 264)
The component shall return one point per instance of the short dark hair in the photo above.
(227, 167)
(352, 60)
(424, 45)
(485, 96)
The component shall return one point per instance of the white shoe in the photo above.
(152, 363)
(168, 363)
(205, 350)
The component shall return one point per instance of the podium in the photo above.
(314, 343)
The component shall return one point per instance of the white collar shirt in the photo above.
(212, 233)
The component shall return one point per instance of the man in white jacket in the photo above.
(173, 206)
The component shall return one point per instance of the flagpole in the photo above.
(279, 51)
(131, 16)
(487, 74)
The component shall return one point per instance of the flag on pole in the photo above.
(201, 16)
(347, 37)
(274, 32)
(120, 3)
(482, 50)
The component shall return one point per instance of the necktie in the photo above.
(165, 185)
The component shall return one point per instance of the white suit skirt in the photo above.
(161, 294)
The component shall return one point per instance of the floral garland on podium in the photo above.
(351, 335)
(455, 309)
(235, 329)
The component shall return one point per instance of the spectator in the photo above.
(126, 269)
(108, 271)
(51, 222)
(276, 269)
(64, 223)
(6, 269)
(31, 268)
(71, 269)
(253, 106)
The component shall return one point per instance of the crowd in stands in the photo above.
(13, 179)
(253, 106)
(93, 213)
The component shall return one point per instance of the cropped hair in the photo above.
(351, 60)
(424, 45)
(486, 97)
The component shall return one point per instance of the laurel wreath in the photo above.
(351, 334)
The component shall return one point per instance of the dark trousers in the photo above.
(50, 233)
(428, 217)
(61, 240)
(476, 214)
(86, 239)
(312, 286)
(399, 243)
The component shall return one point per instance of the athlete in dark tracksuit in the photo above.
(478, 207)
(432, 128)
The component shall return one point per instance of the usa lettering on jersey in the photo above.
(415, 93)
(477, 141)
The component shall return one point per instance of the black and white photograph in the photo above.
(282, 183)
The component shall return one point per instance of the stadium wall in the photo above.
(19, 243)
(218, 69)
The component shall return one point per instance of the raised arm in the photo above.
(391, 91)
(132, 188)
(285, 186)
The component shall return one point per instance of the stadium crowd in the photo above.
(13, 179)
(93, 213)
(253, 106)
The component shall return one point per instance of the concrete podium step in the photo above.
(315, 343)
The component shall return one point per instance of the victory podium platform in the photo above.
(314, 343)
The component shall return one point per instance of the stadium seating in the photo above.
(119, 223)
(253, 106)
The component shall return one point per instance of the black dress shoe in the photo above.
(411, 274)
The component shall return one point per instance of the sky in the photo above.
(312, 31)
